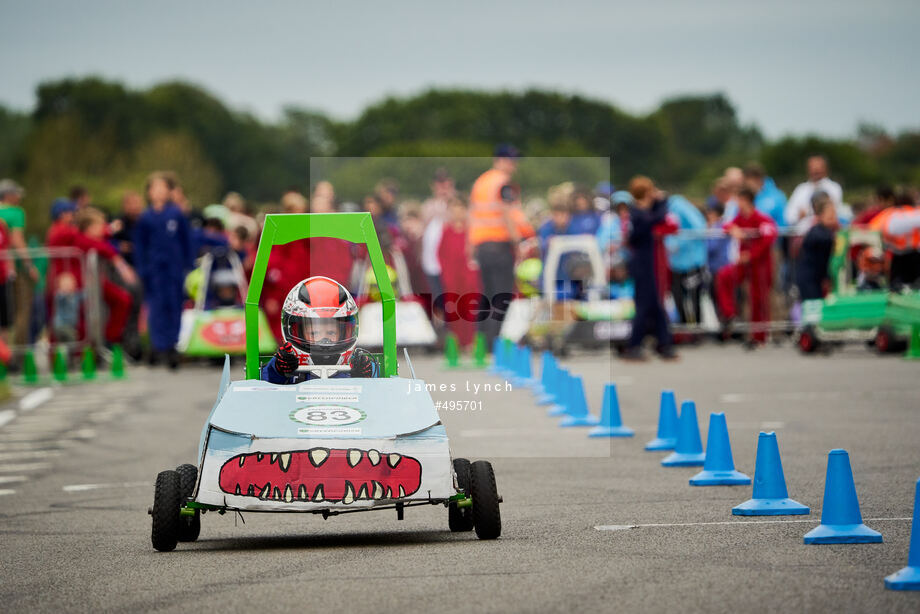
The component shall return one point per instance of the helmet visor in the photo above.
(320, 335)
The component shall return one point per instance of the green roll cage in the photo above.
(281, 229)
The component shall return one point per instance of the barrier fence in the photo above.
(61, 306)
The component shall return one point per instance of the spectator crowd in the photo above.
(745, 255)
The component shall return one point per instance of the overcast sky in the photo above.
(789, 66)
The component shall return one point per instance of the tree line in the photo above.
(107, 136)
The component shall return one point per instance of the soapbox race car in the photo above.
(327, 445)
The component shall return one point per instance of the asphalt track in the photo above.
(79, 470)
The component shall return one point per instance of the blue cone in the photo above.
(908, 578)
(578, 409)
(770, 496)
(498, 356)
(689, 449)
(563, 394)
(547, 374)
(667, 424)
(523, 376)
(719, 466)
(841, 522)
(611, 423)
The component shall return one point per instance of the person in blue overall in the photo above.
(319, 323)
(163, 255)
(650, 208)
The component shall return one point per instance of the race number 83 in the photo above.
(328, 415)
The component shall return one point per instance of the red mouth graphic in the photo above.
(321, 474)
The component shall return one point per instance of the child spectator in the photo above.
(585, 218)
(88, 235)
(461, 281)
(163, 253)
(718, 249)
(66, 309)
(755, 233)
(812, 276)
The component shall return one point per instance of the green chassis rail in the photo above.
(281, 229)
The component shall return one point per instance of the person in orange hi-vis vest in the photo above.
(497, 224)
(900, 227)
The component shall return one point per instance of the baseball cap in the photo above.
(621, 197)
(507, 150)
(61, 206)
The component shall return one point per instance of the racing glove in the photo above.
(286, 361)
(363, 364)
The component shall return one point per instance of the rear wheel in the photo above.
(461, 518)
(190, 525)
(487, 518)
(167, 500)
(808, 340)
(887, 342)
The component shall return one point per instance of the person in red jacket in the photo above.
(89, 235)
(461, 282)
(755, 233)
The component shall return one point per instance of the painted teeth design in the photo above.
(259, 456)
(288, 495)
(242, 459)
(393, 459)
(284, 461)
(276, 495)
(378, 490)
(251, 492)
(273, 459)
(302, 493)
(354, 457)
(266, 492)
(362, 492)
(238, 491)
(349, 493)
(318, 493)
(373, 456)
(318, 456)
(402, 492)
(389, 493)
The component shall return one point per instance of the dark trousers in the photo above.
(650, 315)
(687, 289)
(905, 270)
(496, 268)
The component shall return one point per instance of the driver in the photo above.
(319, 323)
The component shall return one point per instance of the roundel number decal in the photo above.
(328, 415)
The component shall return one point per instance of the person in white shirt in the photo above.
(799, 211)
(434, 213)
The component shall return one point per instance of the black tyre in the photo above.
(808, 340)
(167, 500)
(461, 518)
(887, 342)
(487, 519)
(189, 526)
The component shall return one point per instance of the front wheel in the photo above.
(167, 500)
(460, 518)
(487, 518)
(189, 525)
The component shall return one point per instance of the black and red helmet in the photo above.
(320, 319)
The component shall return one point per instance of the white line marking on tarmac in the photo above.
(28, 454)
(6, 415)
(7, 491)
(35, 398)
(85, 487)
(10, 479)
(24, 467)
(623, 527)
